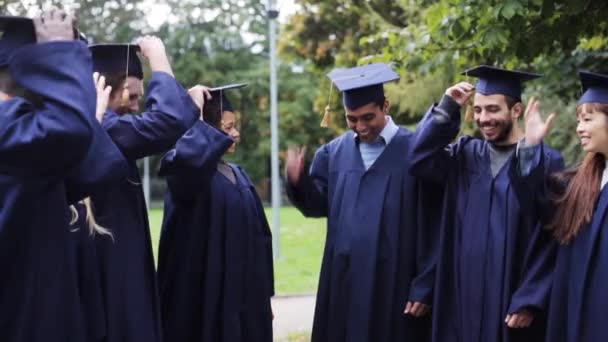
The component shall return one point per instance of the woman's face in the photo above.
(592, 130)
(229, 126)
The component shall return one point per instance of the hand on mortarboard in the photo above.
(294, 165)
(53, 25)
(460, 92)
(103, 95)
(153, 49)
(199, 94)
(536, 128)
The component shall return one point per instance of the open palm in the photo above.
(536, 127)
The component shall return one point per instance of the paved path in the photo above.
(292, 314)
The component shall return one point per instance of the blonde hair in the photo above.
(94, 227)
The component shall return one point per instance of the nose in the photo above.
(360, 126)
(483, 116)
(236, 134)
(579, 128)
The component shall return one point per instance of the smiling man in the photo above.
(494, 266)
(376, 277)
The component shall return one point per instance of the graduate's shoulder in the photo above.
(337, 143)
(242, 172)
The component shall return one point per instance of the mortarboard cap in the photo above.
(595, 87)
(16, 32)
(494, 80)
(226, 105)
(362, 85)
(115, 58)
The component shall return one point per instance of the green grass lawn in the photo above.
(302, 240)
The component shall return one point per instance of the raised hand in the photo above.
(520, 319)
(153, 49)
(294, 166)
(103, 95)
(199, 94)
(460, 92)
(536, 128)
(416, 309)
(53, 25)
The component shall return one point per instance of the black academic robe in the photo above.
(128, 275)
(494, 257)
(578, 301)
(83, 253)
(102, 165)
(379, 253)
(215, 256)
(38, 146)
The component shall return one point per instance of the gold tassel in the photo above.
(468, 116)
(125, 95)
(326, 117)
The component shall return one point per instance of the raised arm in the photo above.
(530, 172)
(48, 139)
(308, 191)
(432, 154)
(169, 110)
(194, 159)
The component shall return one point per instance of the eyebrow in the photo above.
(360, 116)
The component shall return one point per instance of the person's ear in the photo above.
(517, 111)
(387, 106)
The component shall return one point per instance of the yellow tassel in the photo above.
(125, 95)
(326, 117)
(468, 116)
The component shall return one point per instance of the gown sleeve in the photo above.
(194, 159)
(50, 139)
(432, 155)
(530, 173)
(429, 219)
(169, 113)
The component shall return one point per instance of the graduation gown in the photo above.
(578, 302)
(38, 146)
(102, 165)
(127, 271)
(215, 257)
(494, 257)
(379, 253)
(83, 255)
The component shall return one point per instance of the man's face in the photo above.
(136, 92)
(494, 118)
(367, 121)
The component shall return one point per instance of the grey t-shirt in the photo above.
(499, 155)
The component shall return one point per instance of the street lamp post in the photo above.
(274, 129)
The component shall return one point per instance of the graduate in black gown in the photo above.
(44, 133)
(574, 203)
(102, 165)
(127, 271)
(495, 261)
(376, 276)
(215, 257)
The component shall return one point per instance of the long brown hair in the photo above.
(576, 203)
